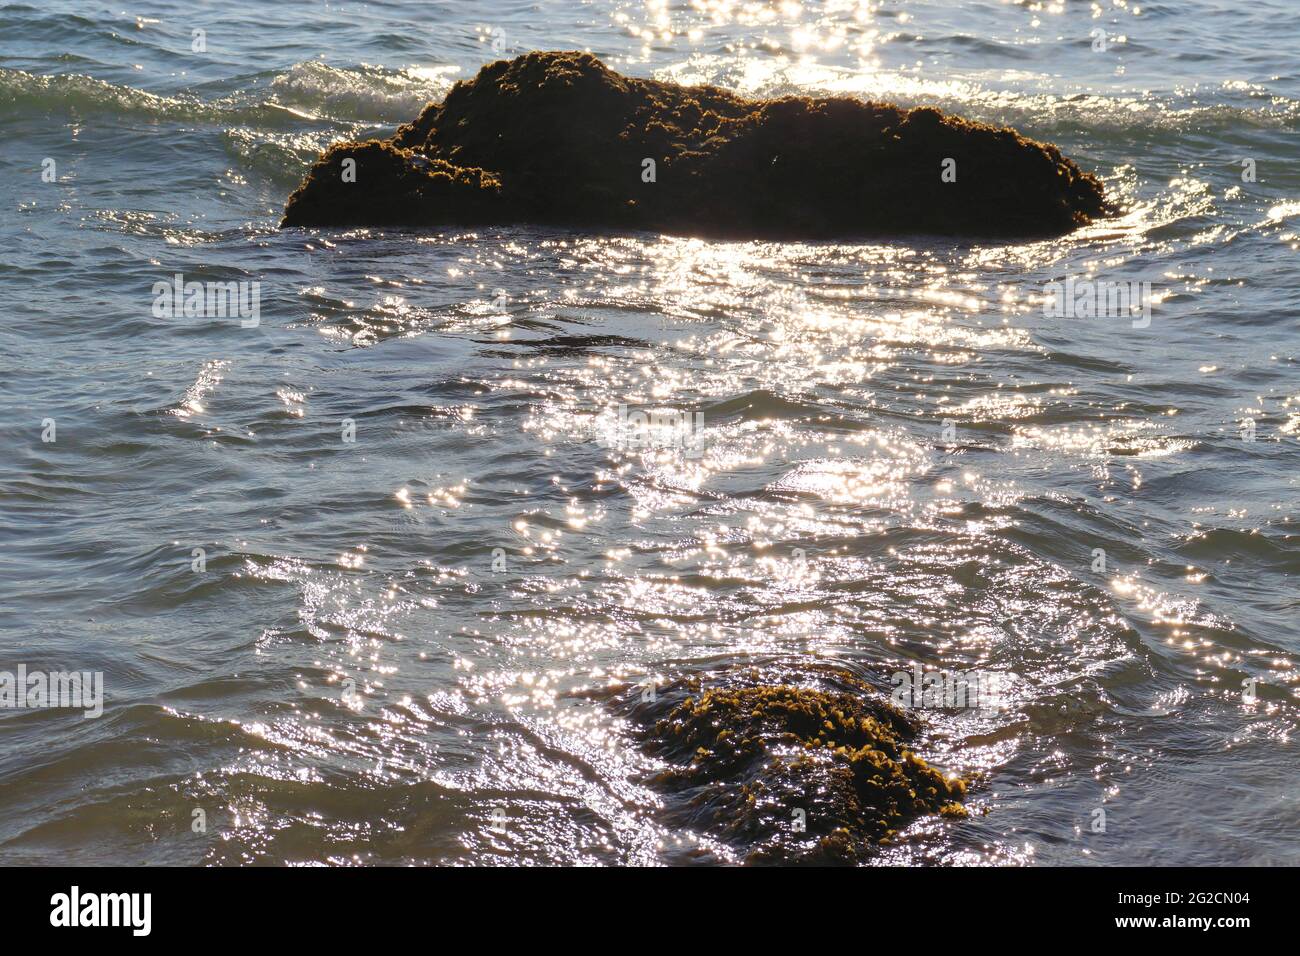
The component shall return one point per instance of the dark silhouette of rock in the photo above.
(560, 139)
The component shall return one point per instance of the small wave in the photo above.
(75, 93)
(1182, 111)
(21, 91)
(281, 156)
(364, 94)
(1275, 550)
(306, 92)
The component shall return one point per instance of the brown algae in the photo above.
(794, 773)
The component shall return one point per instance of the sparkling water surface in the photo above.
(417, 646)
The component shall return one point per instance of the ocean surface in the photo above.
(373, 579)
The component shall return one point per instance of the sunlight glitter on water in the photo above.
(437, 643)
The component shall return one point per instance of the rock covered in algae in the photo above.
(796, 773)
(560, 139)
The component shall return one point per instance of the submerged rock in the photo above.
(560, 139)
(794, 773)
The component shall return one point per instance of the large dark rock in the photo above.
(560, 139)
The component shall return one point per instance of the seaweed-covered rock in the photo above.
(560, 139)
(796, 773)
(415, 189)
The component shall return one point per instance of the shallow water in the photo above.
(417, 646)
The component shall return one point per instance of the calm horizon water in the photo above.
(371, 580)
